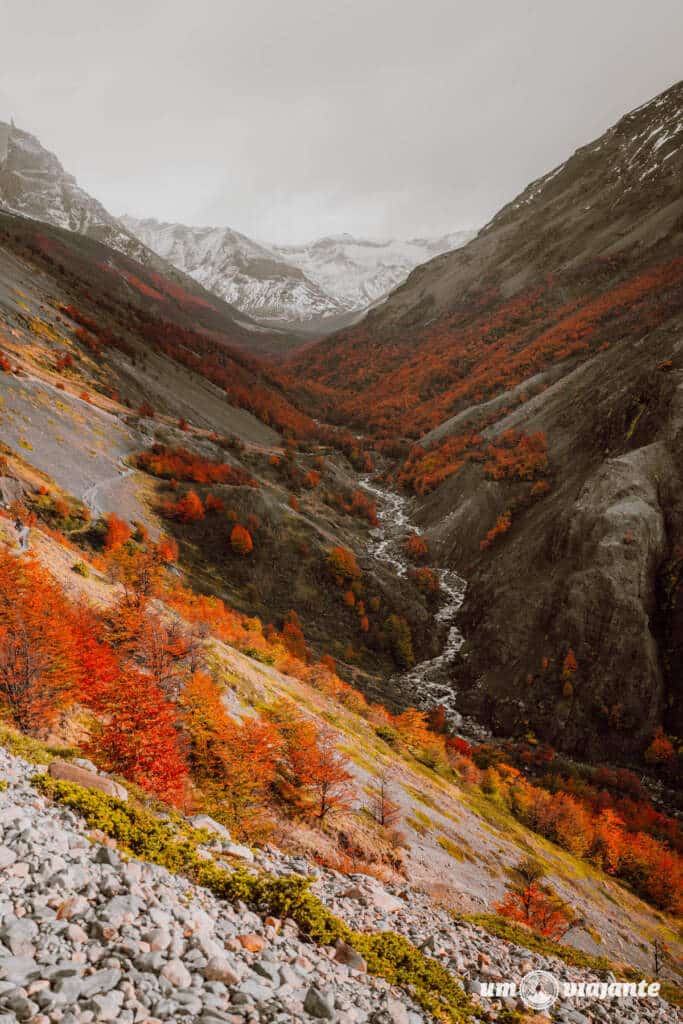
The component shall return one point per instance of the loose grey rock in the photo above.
(319, 1005)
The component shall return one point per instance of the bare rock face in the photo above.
(66, 772)
(593, 569)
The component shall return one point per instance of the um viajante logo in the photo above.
(538, 990)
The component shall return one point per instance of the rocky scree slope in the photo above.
(89, 935)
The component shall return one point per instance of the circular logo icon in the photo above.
(538, 990)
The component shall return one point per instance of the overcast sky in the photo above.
(289, 119)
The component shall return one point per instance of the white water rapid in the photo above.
(427, 682)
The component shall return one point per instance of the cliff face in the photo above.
(593, 567)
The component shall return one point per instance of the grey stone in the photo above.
(319, 1004)
(7, 857)
(106, 1007)
(346, 954)
(19, 936)
(203, 821)
(101, 981)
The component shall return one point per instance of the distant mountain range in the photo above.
(315, 287)
(329, 278)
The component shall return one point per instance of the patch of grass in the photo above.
(359, 758)
(420, 797)
(173, 844)
(33, 750)
(418, 826)
(451, 848)
(458, 851)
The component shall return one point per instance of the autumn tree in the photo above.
(323, 773)
(343, 564)
(294, 638)
(660, 750)
(165, 650)
(535, 905)
(118, 532)
(205, 722)
(416, 548)
(139, 572)
(190, 509)
(399, 640)
(39, 663)
(538, 909)
(235, 760)
(134, 733)
(240, 540)
(314, 775)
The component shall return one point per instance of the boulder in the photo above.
(219, 968)
(204, 821)
(64, 771)
(346, 954)
(177, 974)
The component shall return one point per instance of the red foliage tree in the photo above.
(536, 909)
(40, 668)
(135, 734)
(416, 548)
(189, 509)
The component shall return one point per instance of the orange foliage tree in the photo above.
(39, 664)
(537, 909)
(118, 532)
(343, 564)
(240, 540)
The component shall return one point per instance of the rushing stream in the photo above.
(427, 682)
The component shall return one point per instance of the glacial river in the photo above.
(428, 682)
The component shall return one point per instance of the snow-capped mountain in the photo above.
(330, 278)
(33, 183)
(252, 277)
(359, 271)
(315, 287)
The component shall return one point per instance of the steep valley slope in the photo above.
(528, 388)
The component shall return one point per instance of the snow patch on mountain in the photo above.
(34, 184)
(359, 271)
(329, 277)
(250, 276)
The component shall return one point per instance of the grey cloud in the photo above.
(290, 120)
